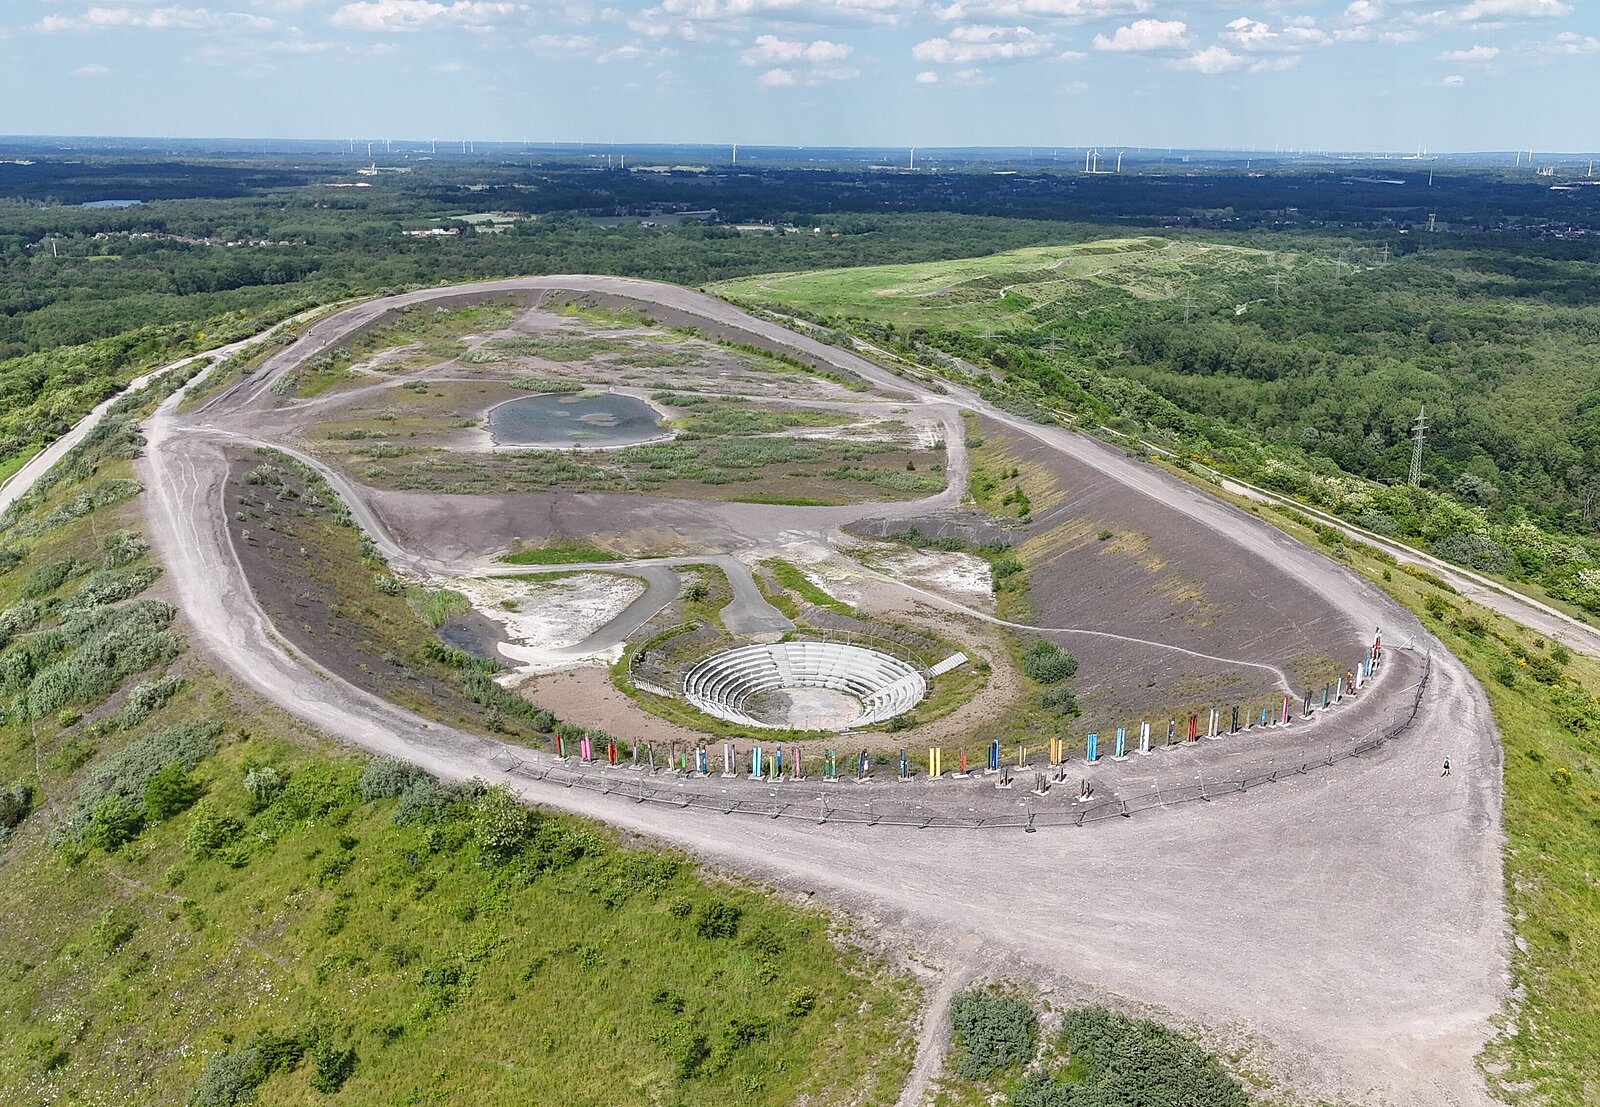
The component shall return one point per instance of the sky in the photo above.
(1347, 75)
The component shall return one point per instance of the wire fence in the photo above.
(802, 799)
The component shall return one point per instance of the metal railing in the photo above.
(801, 800)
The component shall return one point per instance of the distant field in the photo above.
(1000, 288)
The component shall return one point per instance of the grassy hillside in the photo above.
(204, 902)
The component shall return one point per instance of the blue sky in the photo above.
(1353, 75)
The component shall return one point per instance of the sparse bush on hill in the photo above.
(1047, 663)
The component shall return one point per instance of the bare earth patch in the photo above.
(544, 618)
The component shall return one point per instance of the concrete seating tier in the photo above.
(723, 684)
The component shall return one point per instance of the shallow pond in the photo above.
(564, 419)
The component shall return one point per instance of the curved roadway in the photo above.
(1349, 924)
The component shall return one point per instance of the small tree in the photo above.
(170, 792)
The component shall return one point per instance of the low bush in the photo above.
(146, 698)
(993, 1032)
(1123, 1062)
(388, 777)
(1047, 663)
(125, 776)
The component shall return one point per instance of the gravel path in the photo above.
(1352, 919)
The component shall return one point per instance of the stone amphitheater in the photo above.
(808, 685)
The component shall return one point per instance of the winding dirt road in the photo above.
(1349, 922)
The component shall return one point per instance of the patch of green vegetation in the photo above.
(713, 420)
(791, 577)
(539, 384)
(402, 925)
(438, 606)
(560, 553)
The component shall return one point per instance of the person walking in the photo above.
(1446, 767)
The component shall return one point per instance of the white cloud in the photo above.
(167, 18)
(972, 77)
(1473, 54)
(771, 48)
(1275, 65)
(94, 69)
(689, 19)
(1479, 11)
(1250, 34)
(927, 77)
(778, 78)
(1568, 43)
(564, 46)
(1212, 60)
(1362, 11)
(389, 16)
(1145, 34)
(981, 43)
(1455, 80)
(1070, 10)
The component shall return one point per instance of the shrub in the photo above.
(262, 786)
(111, 931)
(113, 822)
(122, 548)
(1047, 663)
(170, 792)
(501, 825)
(210, 830)
(45, 579)
(108, 586)
(1130, 1063)
(232, 1078)
(146, 698)
(126, 774)
(718, 920)
(389, 777)
(16, 801)
(994, 1032)
(331, 1067)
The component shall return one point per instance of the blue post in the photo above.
(1172, 731)
(1122, 740)
(1093, 753)
(755, 762)
(994, 756)
(777, 762)
(902, 764)
(1263, 716)
(861, 764)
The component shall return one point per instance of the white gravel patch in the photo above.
(551, 616)
(960, 576)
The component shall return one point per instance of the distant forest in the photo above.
(1491, 323)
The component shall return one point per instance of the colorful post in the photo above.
(902, 763)
(611, 752)
(755, 763)
(586, 749)
(933, 762)
(1144, 739)
(1308, 705)
(1172, 731)
(1325, 689)
(1092, 753)
(1216, 719)
(994, 756)
(1234, 729)
(561, 747)
(1194, 727)
(862, 766)
(1122, 741)
(1263, 716)
(963, 769)
(1285, 720)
